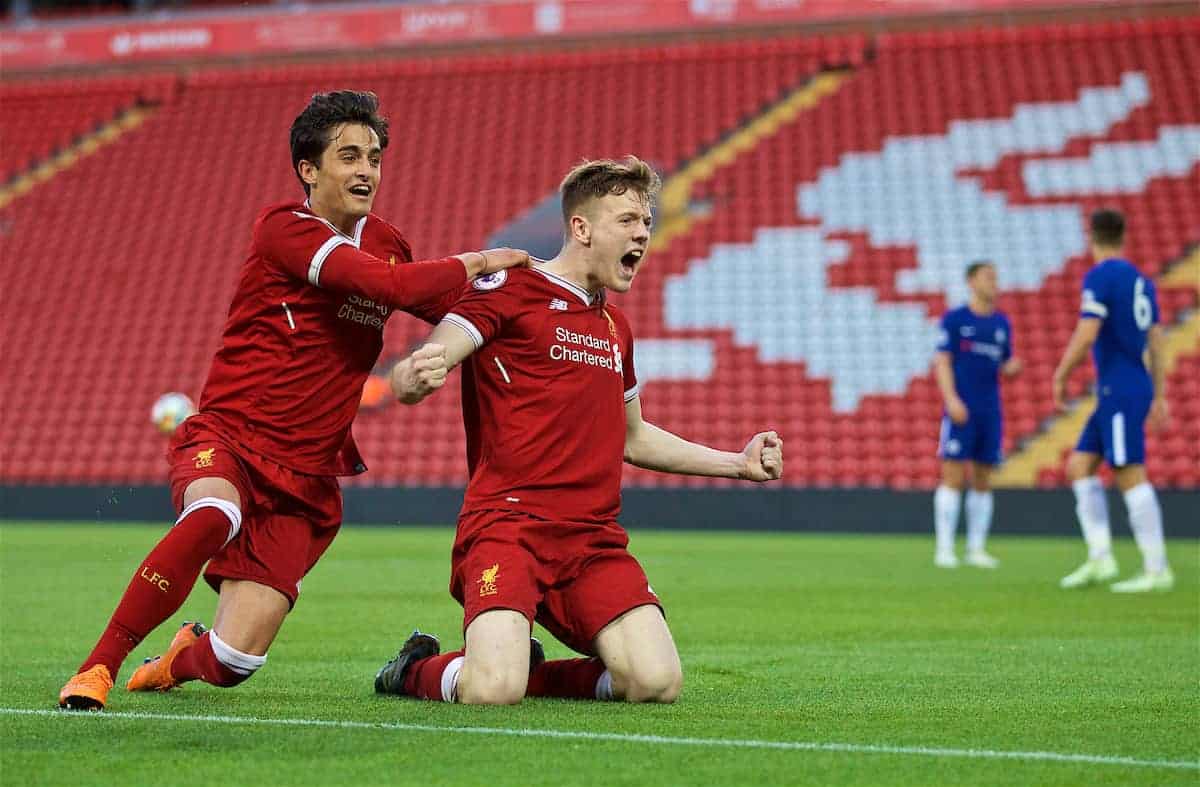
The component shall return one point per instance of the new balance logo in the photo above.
(558, 304)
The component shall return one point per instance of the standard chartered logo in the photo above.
(364, 312)
(583, 348)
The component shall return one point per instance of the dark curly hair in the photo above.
(311, 130)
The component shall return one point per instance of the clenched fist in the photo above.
(764, 457)
(420, 374)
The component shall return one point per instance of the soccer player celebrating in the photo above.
(974, 348)
(551, 407)
(1118, 322)
(254, 472)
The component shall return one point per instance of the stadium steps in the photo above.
(676, 195)
(1046, 449)
(68, 157)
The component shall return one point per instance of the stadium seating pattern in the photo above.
(121, 267)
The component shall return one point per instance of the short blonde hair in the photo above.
(596, 179)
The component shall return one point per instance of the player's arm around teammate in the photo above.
(253, 477)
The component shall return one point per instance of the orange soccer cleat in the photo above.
(88, 690)
(155, 673)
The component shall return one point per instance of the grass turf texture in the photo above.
(845, 639)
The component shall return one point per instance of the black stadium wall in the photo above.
(1018, 511)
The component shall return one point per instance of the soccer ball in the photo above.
(170, 410)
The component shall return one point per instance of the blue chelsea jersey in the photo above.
(1116, 293)
(978, 346)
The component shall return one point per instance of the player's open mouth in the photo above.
(630, 260)
(361, 190)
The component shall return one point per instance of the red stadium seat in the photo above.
(139, 244)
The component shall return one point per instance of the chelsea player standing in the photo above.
(1119, 322)
(974, 348)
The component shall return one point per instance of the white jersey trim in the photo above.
(355, 239)
(338, 238)
(359, 225)
(318, 258)
(631, 394)
(580, 293)
(467, 327)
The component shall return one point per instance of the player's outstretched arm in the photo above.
(423, 372)
(412, 285)
(653, 448)
(309, 248)
(1086, 331)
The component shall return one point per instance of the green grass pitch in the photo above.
(870, 665)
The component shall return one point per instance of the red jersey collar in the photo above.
(356, 239)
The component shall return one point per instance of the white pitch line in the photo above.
(848, 748)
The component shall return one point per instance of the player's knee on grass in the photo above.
(495, 667)
(658, 682)
(239, 665)
(481, 683)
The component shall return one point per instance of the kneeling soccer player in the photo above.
(254, 472)
(550, 405)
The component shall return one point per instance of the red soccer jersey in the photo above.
(544, 396)
(305, 329)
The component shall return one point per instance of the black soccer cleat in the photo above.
(390, 678)
(537, 654)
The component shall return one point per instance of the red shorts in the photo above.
(289, 519)
(573, 578)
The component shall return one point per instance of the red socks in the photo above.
(424, 678)
(199, 662)
(576, 679)
(163, 580)
(572, 679)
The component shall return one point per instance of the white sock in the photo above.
(946, 504)
(1145, 520)
(1092, 509)
(604, 689)
(450, 680)
(979, 518)
(237, 661)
